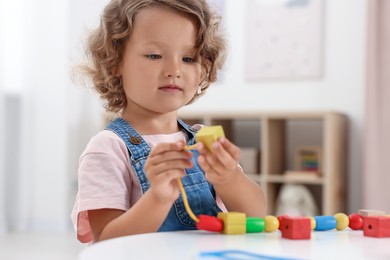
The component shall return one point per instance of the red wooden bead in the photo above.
(376, 226)
(295, 227)
(355, 221)
(209, 223)
(280, 219)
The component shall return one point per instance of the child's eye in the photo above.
(153, 56)
(188, 60)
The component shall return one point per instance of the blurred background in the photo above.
(284, 55)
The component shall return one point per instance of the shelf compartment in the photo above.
(276, 178)
(273, 134)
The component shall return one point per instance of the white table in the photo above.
(346, 244)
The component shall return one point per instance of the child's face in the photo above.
(158, 71)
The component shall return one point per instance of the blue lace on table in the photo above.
(240, 255)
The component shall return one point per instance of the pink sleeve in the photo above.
(220, 204)
(104, 180)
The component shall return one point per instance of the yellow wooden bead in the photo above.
(233, 222)
(313, 223)
(342, 221)
(271, 223)
(208, 135)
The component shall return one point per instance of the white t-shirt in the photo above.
(107, 180)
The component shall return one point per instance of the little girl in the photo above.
(148, 59)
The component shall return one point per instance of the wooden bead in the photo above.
(208, 135)
(376, 226)
(295, 227)
(371, 212)
(325, 223)
(233, 222)
(342, 221)
(280, 217)
(271, 223)
(312, 223)
(209, 223)
(355, 221)
(254, 225)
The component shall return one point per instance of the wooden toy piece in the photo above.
(271, 223)
(295, 227)
(280, 217)
(313, 223)
(233, 222)
(355, 221)
(208, 135)
(342, 221)
(324, 223)
(209, 223)
(254, 225)
(376, 226)
(370, 212)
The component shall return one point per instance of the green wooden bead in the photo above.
(254, 225)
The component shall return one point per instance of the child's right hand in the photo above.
(166, 163)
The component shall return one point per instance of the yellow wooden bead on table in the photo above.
(342, 221)
(313, 223)
(233, 222)
(271, 223)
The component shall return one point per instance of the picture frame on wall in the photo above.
(284, 39)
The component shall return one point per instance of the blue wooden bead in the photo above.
(325, 223)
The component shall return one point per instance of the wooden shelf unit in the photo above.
(329, 187)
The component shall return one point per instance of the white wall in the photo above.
(64, 116)
(50, 118)
(45, 108)
(2, 134)
(2, 175)
(37, 78)
(11, 63)
(340, 88)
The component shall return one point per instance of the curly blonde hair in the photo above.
(106, 44)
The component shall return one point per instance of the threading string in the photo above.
(185, 200)
(190, 147)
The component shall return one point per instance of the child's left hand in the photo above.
(221, 164)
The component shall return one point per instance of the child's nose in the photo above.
(172, 69)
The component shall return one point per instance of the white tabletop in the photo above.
(346, 244)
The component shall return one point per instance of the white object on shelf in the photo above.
(296, 200)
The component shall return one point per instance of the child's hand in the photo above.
(220, 165)
(164, 165)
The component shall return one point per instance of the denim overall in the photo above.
(200, 193)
